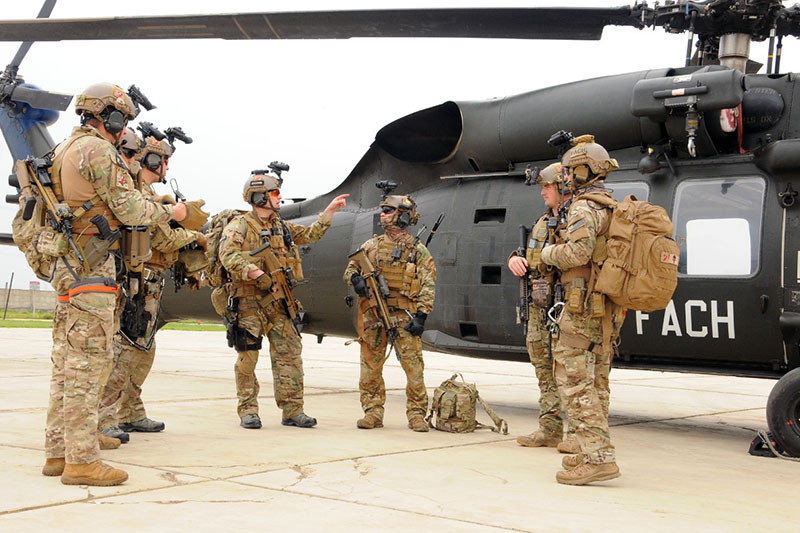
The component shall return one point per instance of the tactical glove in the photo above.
(417, 324)
(359, 285)
(195, 217)
(201, 241)
(264, 282)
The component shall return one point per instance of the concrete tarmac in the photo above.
(681, 444)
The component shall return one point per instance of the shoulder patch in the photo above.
(575, 226)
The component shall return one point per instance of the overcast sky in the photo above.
(315, 105)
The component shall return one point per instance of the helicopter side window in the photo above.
(620, 190)
(718, 226)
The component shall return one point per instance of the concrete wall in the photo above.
(24, 300)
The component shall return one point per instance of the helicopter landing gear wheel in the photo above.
(783, 412)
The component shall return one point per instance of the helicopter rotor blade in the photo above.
(41, 99)
(502, 23)
(44, 12)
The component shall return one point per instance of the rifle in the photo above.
(134, 319)
(283, 281)
(58, 214)
(412, 253)
(524, 282)
(378, 293)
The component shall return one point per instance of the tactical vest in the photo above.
(400, 274)
(288, 256)
(76, 191)
(159, 260)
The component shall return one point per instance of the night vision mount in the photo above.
(387, 186)
(170, 134)
(139, 99)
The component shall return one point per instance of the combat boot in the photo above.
(97, 473)
(302, 421)
(251, 421)
(145, 424)
(569, 445)
(538, 439)
(588, 473)
(53, 466)
(417, 423)
(115, 433)
(572, 461)
(107, 443)
(369, 421)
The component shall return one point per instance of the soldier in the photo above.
(259, 305)
(90, 177)
(121, 406)
(590, 322)
(539, 339)
(409, 270)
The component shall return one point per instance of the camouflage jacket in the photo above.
(92, 166)
(165, 240)
(586, 220)
(239, 238)
(539, 238)
(420, 287)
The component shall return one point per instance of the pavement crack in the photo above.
(687, 417)
(303, 472)
(502, 479)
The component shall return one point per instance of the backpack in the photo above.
(27, 234)
(215, 273)
(454, 408)
(640, 271)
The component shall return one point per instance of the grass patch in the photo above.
(183, 325)
(187, 325)
(12, 313)
(20, 323)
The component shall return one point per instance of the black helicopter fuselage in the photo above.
(737, 305)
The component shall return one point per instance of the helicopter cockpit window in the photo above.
(718, 226)
(619, 191)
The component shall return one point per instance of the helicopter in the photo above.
(712, 141)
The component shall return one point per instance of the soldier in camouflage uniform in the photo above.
(410, 273)
(121, 406)
(538, 339)
(590, 322)
(88, 172)
(259, 307)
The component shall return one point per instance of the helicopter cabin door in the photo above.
(726, 306)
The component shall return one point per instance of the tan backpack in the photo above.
(215, 273)
(640, 271)
(454, 408)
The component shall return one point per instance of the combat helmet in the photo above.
(153, 153)
(587, 162)
(108, 102)
(552, 173)
(131, 143)
(258, 185)
(405, 210)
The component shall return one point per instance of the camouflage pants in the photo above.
(121, 397)
(583, 379)
(285, 348)
(82, 333)
(550, 402)
(371, 384)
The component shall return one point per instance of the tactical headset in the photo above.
(259, 199)
(152, 161)
(114, 120)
